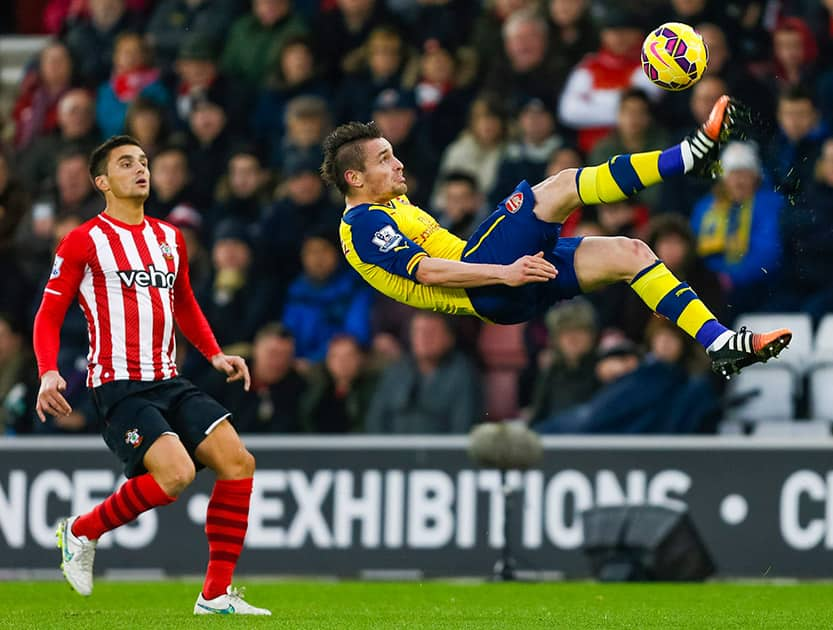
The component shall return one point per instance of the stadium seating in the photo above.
(793, 429)
(762, 393)
(821, 392)
(504, 356)
(799, 354)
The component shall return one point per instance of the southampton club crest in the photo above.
(133, 438)
(167, 252)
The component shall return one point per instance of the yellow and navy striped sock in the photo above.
(623, 176)
(677, 301)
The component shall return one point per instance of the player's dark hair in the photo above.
(344, 151)
(100, 155)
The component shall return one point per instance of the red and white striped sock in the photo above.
(226, 521)
(135, 496)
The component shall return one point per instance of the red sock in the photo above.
(225, 526)
(135, 496)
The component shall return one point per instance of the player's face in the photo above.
(383, 177)
(128, 175)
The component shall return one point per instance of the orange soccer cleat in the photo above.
(745, 348)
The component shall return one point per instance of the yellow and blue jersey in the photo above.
(385, 242)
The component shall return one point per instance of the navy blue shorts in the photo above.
(510, 232)
(134, 414)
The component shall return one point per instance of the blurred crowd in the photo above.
(231, 99)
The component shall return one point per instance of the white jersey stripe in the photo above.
(168, 369)
(144, 303)
(87, 294)
(170, 238)
(118, 334)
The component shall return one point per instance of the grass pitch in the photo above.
(427, 605)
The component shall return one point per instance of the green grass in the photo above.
(428, 605)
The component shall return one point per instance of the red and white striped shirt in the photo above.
(133, 285)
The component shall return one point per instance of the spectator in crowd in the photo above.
(255, 40)
(191, 225)
(242, 193)
(303, 206)
(16, 291)
(147, 121)
(572, 31)
(793, 150)
(57, 12)
(326, 299)
(342, 29)
(737, 229)
(526, 157)
(487, 32)
(530, 67)
(132, 77)
(296, 73)
(97, 32)
(433, 389)
(14, 204)
(378, 65)
(590, 99)
(272, 403)
(209, 145)
(171, 177)
(807, 231)
(18, 378)
(76, 129)
(794, 54)
(565, 157)
(395, 111)
(209, 19)
(437, 19)
(480, 147)
(566, 374)
(462, 205)
(636, 131)
(307, 121)
(340, 389)
(35, 112)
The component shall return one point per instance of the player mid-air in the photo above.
(515, 265)
(130, 274)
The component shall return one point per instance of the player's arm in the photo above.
(193, 324)
(61, 288)
(461, 275)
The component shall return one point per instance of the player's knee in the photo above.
(247, 464)
(632, 256)
(557, 196)
(177, 476)
(239, 466)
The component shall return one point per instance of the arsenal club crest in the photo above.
(133, 438)
(514, 203)
(167, 252)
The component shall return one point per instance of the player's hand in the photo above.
(530, 269)
(234, 367)
(50, 399)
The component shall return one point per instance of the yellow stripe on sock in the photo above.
(646, 166)
(596, 185)
(693, 317)
(654, 285)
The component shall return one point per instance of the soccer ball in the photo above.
(674, 56)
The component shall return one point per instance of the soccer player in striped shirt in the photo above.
(130, 274)
(515, 265)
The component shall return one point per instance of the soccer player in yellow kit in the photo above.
(515, 265)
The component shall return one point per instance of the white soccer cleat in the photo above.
(77, 555)
(232, 603)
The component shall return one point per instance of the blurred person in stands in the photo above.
(132, 77)
(340, 389)
(806, 230)
(57, 12)
(190, 223)
(326, 299)
(396, 113)
(378, 65)
(487, 31)
(35, 111)
(14, 203)
(171, 179)
(97, 31)
(255, 39)
(480, 147)
(572, 31)
(18, 378)
(302, 207)
(158, 425)
(590, 100)
(529, 151)
(76, 129)
(243, 193)
(147, 121)
(737, 229)
(636, 131)
(794, 55)
(74, 192)
(462, 206)
(272, 403)
(530, 66)
(296, 72)
(209, 19)
(566, 368)
(307, 121)
(435, 388)
(16, 289)
(208, 145)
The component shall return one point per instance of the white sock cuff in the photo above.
(688, 156)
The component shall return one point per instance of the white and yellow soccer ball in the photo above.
(674, 56)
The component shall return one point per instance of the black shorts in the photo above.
(133, 414)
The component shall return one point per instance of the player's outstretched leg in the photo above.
(77, 556)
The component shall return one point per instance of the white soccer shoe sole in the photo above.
(77, 556)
